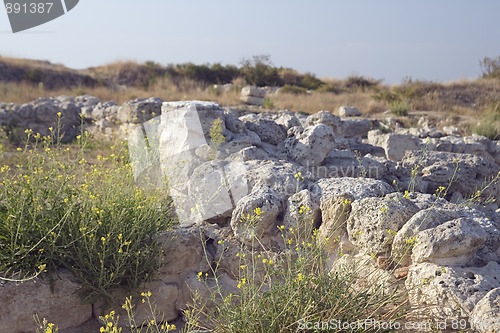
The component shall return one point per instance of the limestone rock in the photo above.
(357, 187)
(287, 119)
(183, 254)
(20, 301)
(267, 130)
(345, 163)
(395, 145)
(302, 214)
(253, 95)
(278, 175)
(140, 110)
(234, 124)
(246, 224)
(312, 146)
(355, 128)
(452, 241)
(373, 222)
(43, 114)
(486, 313)
(469, 173)
(107, 110)
(450, 291)
(325, 118)
(334, 214)
(349, 111)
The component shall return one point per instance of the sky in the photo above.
(434, 40)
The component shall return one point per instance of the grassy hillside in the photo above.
(24, 80)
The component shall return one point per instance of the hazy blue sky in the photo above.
(438, 40)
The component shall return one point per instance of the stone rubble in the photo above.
(445, 247)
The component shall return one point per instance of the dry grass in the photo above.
(30, 63)
(26, 92)
(316, 101)
(126, 80)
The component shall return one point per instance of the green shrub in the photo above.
(216, 137)
(268, 103)
(289, 89)
(309, 81)
(33, 75)
(329, 88)
(356, 82)
(58, 210)
(489, 124)
(400, 108)
(259, 71)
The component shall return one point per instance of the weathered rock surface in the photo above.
(246, 224)
(325, 118)
(333, 230)
(253, 95)
(349, 111)
(302, 213)
(357, 187)
(373, 222)
(300, 173)
(311, 147)
(467, 173)
(452, 239)
(355, 128)
(484, 317)
(140, 110)
(450, 291)
(22, 300)
(267, 130)
(43, 114)
(395, 145)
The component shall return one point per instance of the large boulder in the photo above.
(359, 188)
(373, 222)
(395, 145)
(140, 110)
(450, 291)
(247, 223)
(445, 234)
(452, 240)
(325, 118)
(349, 111)
(46, 113)
(485, 316)
(252, 95)
(467, 174)
(312, 146)
(22, 300)
(266, 129)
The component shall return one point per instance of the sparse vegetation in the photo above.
(489, 123)
(400, 108)
(58, 210)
